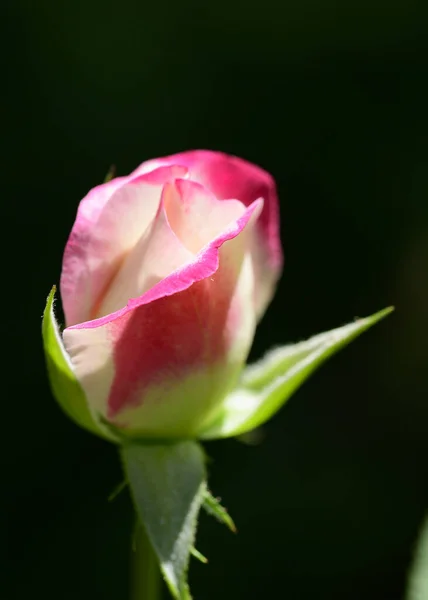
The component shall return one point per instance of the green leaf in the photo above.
(268, 384)
(168, 484)
(64, 384)
(418, 577)
(213, 507)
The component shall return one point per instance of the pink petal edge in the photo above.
(206, 264)
(76, 297)
(229, 176)
(213, 168)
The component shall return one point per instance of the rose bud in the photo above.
(165, 275)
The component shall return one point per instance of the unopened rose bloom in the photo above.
(165, 275)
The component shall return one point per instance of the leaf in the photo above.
(168, 484)
(213, 507)
(64, 384)
(268, 384)
(418, 577)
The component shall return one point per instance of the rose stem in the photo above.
(146, 580)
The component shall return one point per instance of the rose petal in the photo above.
(156, 255)
(232, 177)
(188, 218)
(196, 215)
(162, 364)
(109, 222)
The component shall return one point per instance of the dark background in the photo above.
(331, 97)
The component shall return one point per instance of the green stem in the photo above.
(145, 569)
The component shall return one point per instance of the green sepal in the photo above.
(268, 384)
(214, 508)
(64, 384)
(168, 484)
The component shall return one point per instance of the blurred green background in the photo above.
(330, 97)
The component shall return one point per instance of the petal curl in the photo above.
(232, 177)
(109, 222)
(195, 214)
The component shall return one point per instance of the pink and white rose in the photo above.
(165, 275)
